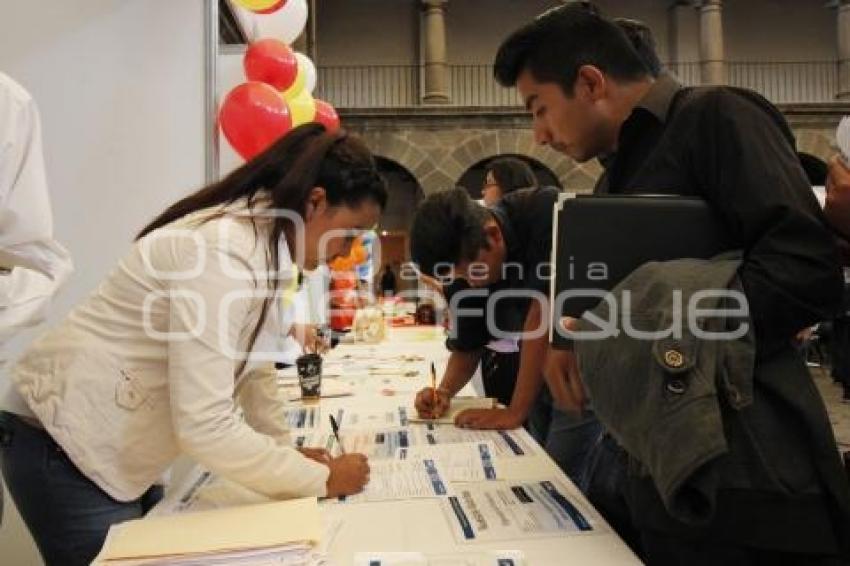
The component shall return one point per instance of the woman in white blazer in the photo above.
(161, 357)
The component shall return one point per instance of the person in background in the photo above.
(643, 41)
(505, 175)
(590, 94)
(500, 358)
(33, 266)
(159, 358)
(389, 284)
(837, 210)
(476, 252)
(837, 206)
(637, 32)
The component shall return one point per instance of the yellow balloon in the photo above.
(257, 5)
(297, 87)
(302, 108)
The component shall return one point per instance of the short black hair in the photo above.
(584, 5)
(448, 227)
(560, 41)
(643, 41)
(511, 174)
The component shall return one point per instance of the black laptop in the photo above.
(598, 240)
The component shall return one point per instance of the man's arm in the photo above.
(838, 197)
(529, 380)
(431, 404)
(750, 174)
(459, 370)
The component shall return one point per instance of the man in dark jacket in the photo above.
(838, 213)
(592, 96)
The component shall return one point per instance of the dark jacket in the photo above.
(684, 410)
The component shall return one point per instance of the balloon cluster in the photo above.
(278, 95)
(262, 6)
(343, 286)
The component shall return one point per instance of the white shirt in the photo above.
(39, 265)
(147, 366)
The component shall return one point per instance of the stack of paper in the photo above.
(283, 532)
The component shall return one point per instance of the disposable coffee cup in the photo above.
(310, 376)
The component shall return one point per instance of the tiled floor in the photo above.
(839, 413)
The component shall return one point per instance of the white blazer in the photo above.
(145, 368)
(39, 264)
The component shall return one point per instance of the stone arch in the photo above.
(473, 178)
(405, 193)
(397, 148)
(572, 176)
(438, 158)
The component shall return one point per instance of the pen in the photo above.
(433, 388)
(335, 429)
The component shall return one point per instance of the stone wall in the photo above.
(438, 145)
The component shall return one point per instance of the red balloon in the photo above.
(271, 9)
(327, 116)
(252, 117)
(271, 61)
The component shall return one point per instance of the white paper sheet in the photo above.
(484, 558)
(461, 462)
(376, 444)
(495, 511)
(508, 443)
(392, 480)
(372, 418)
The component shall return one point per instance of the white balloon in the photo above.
(306, 66)
(286, 24)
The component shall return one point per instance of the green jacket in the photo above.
(723, 443)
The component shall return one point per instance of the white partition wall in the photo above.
(120, 86)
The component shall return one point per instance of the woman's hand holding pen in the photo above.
(349, 474)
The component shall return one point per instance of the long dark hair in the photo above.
(287, 172)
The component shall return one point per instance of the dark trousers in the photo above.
(67, 515)
(566, 437)
(840, 352)
(608, 485)
(840, 345)
(498, 374)
(605, 483)
(667, 550)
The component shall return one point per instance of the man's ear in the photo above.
(317, 203)
(493, 233)
(591, 83)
